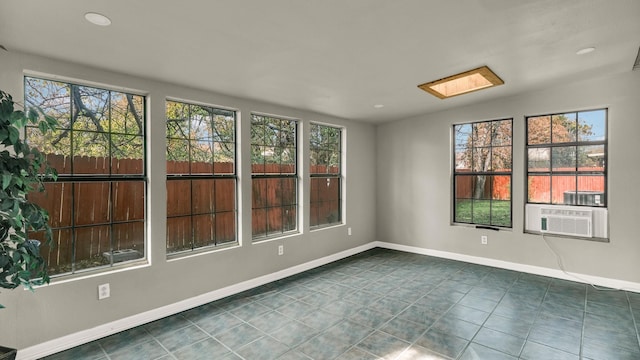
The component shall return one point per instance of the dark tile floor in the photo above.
(385, 304)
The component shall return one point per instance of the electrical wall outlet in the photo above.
(349, 231)
(483, 240)
(280, 249)
(104, 291)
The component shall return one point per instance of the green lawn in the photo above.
(483, 212)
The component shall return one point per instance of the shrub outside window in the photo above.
(274, 176)
(566, 158)
(97, 204)
(201, 177)
(482, 173)
(326, 175)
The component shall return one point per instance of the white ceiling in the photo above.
(337, 57)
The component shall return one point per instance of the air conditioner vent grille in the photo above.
(566, 221)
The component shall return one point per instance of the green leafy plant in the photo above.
(22, 170)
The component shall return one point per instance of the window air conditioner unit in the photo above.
(566, 221)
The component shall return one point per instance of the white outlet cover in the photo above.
(104, 291)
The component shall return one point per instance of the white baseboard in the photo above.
(531, 269)
(85, 336)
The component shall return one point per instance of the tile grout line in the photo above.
(211, 335)
(584, 321)
(354, 346)
(485, 320)
(436, 320)
(540, 312)
(633, 317)
(414, 303)
(546, 292)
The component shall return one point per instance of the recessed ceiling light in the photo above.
(378, 106)
(97, 19)
(468, 81)
(585, 50)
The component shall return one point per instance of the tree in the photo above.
(104, 123)
(199, 133)
(557, 130)
(483, 147)
(325, 147)
(273, 141)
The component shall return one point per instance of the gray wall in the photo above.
(415, 184)
(66, 307)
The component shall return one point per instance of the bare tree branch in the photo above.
(136, 116)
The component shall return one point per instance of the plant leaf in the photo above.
(32, 115)
(6, 180)
(18, 119)
(14, 135)
(43, 127)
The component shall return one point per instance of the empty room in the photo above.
(360, 179)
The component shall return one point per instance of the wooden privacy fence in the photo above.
(539, 187)
(200, 212)
(88, 208)
(497, 187)
(191, 204)
(552, 188)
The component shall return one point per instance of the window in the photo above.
(566, 158)
(97, 205)
(274, 176)
(201, 176)
(326, 179)
(482, 173)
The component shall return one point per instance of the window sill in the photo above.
(326, 226)
(186, 254)
(561, 236)
(98, 271)
(280, 236)
(482, 227)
